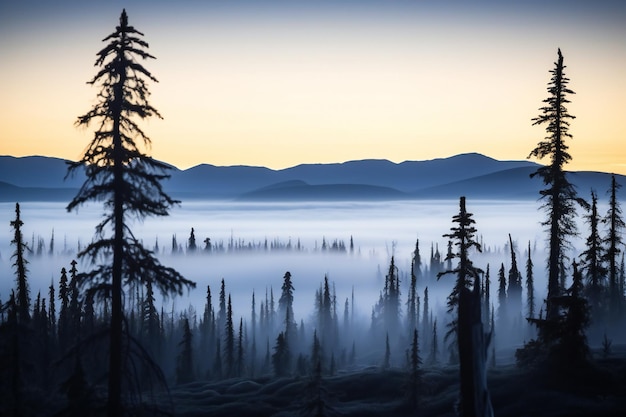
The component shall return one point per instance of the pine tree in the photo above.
(392, 299)
(560, 194)
(434, 346)
(613, 243)
(503, 316)
(592, 261)
(530, 285)
(229, 341)
(281, 356)
(127, 180)
(23, 293)
(191, 243)
(184, 369)
(387, 360)
(487, 295)
(465, 297)
(240, 350)
(285, 306)
(414, 373)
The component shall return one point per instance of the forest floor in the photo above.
(599, 390)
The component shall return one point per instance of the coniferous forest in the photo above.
(470, 330)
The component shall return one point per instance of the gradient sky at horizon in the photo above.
(279, 83)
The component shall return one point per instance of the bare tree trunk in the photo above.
(475, 399)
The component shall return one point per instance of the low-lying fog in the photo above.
(378, 229)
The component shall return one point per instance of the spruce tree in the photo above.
(613, 243)
(191, 243)
(592, 261)
(119, 173)
(530, 285)
(285, 306)
(229, 341)
(22, 300)
(184, 368)
(465, 298)
(281, 356)
(560, 195)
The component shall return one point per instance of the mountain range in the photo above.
(38, 178)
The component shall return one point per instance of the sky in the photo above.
(280, 83)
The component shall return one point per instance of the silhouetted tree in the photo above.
(281, 356)
(127, 180)
(22, 301)
(530, 285)
(592, 264)
(285, 306)
(184, 369)
(191, 243)
(613, 242)
(387, 359)
(560, 194)
(229, 341)
(502, 307)
(514, 293)
(465, 297)
(414, 372)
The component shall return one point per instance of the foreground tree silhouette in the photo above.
(560, 195)
(465, 296)
(128, 181)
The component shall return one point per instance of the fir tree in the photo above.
(184, 368)
(613, 243)
(414, 372)
(560, 195)
(22, 300)
(387, 359)
(285, 306)
(229, 341)
(471, 343)
(592, 260)
(530, 285)
(503, 316)
(191, 243)
(281, 356)
(127, 180)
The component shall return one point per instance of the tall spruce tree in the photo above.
(465, 298)
(592, 261)
(23, 294)
(119, 173)
(530, 285)
(613, 243)
(560, 195)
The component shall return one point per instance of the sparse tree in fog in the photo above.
(387, 359)
(465, 297)
(229, 341)
(285, 306)
(127, 180)
(414, 371)
(184, 368)
(281, 356)
(191, 243)
(613, 243)
(530, 285)
(514, 293)
(560, 195)
(503, 316)
(486, 294)
(592, 261)
(22, 300)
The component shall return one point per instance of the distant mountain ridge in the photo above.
(472, 174)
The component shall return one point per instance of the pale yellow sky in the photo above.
(281, 88)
